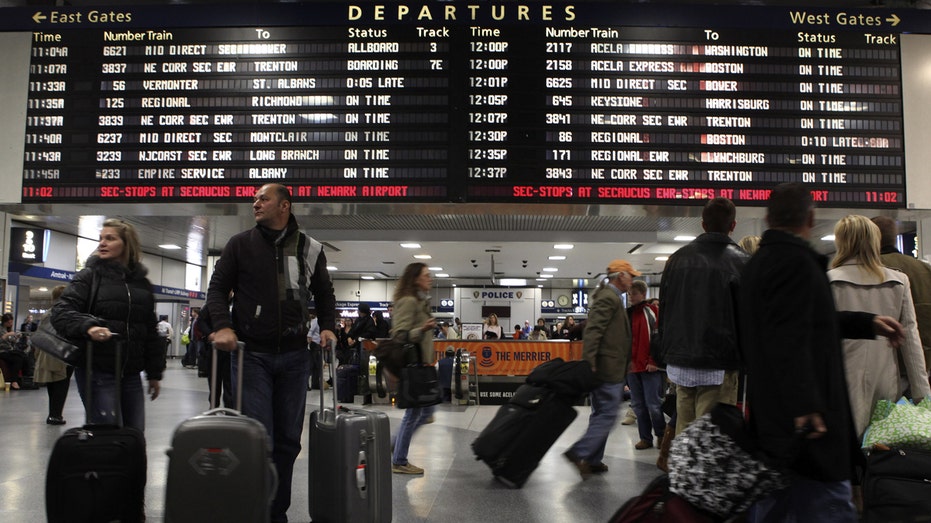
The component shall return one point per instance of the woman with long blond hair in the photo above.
(859, 282)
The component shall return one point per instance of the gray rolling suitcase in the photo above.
(220, 465)
(350, 464)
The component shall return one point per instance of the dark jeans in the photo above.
(103, 410)
(274, 392)
(646, 398)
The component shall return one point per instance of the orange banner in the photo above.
(511, 357)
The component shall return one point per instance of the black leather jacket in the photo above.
(698, 303)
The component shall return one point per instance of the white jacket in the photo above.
(872, 366)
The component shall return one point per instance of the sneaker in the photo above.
(598, 468)
(644, 444)
(629, 418)
(406, 469)
(585, 469)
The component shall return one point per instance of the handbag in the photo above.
(393, 354)
(47, 339)
(716, 465)
(419, 384)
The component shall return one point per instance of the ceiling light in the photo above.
(331, 268)
(43, 289)
(541, 279)
(442, 275)
(557, 258)
(563, 246)
(828, 238)
(540, 285)
(550, 269)
(368, 277)
(170, 247)
(410, 245)
(422, 256)
(512, 282)
(683, 238)
(546, 276)
(661, 258)
(435, 269)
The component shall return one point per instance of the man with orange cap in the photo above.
(606, 347)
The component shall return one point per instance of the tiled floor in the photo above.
(455, 486)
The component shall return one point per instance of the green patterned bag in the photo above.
(901, 424)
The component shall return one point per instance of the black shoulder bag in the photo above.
(419, 384)
(47, 339)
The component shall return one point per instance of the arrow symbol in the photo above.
(38, 17)
(894, 20)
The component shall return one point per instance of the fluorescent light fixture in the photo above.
(435, 269)
(563, 246)
(828, 238)
(169, 247)
(683, 238)
(512, 282)
(661, 258)
(43, 289)
(556, 258)
(442, 275)
(422, 257)
(540, 285)
(550, 269)
(546, 276)
(368, 277)
(410, 245)
(541, 279)
(331, 268)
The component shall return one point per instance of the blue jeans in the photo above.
(646, 398)
(103, 395)
(806, 500)
(274, 392)
(413, 419)
(606, 402)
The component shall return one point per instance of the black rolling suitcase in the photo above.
(97, 473)
(521, 433)
(897, 486)
(350, 464)
(220, 465)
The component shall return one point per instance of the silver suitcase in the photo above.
(350, 464)
(220, 465)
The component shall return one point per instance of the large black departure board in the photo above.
(450, 102)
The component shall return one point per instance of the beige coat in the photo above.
(606, 341)
(407, 319)
(872, 366)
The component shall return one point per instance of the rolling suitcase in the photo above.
(521, 433)
(220, 465)
(97, 473)
(897, 486)
(350, 464)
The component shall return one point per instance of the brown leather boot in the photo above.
(662, 462)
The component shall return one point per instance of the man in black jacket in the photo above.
(273, 269)
(791, 336)
(699, 328)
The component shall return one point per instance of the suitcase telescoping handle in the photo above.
(240, 351)
(118, 377)
(323, 376)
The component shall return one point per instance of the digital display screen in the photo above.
(509, 103)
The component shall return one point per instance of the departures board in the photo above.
(457, 102)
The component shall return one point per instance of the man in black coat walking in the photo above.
(791, 339)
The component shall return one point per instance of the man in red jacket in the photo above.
(644, 378)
